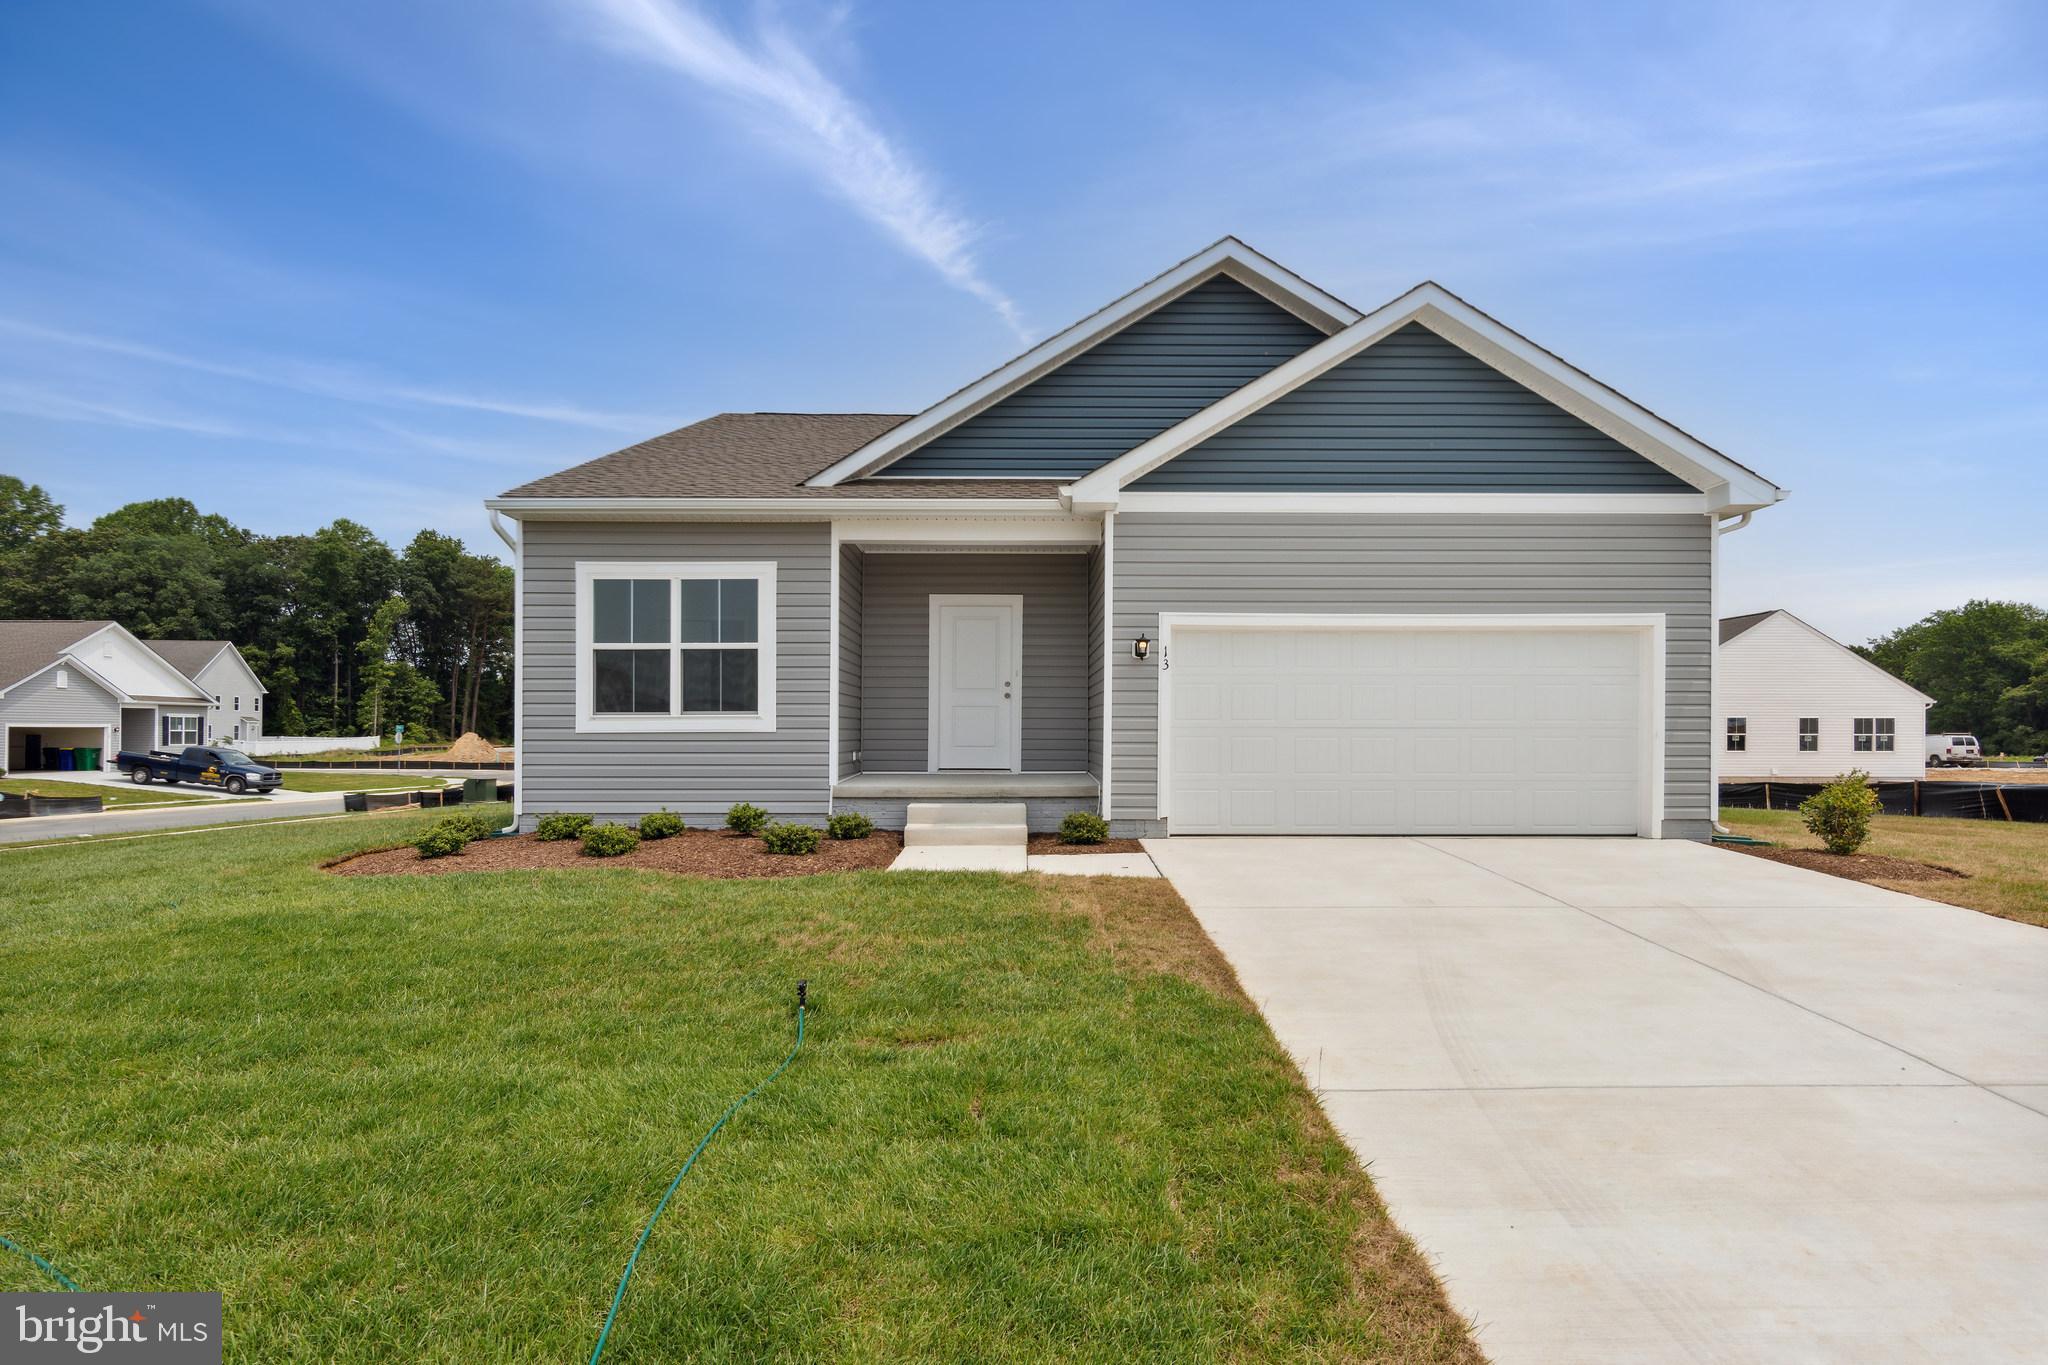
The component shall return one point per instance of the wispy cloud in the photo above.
(330, 381)
(815, 119)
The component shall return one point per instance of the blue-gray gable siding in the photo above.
(1127, 388)
(1412, 413)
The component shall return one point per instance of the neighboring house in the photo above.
(1227, 556)
(90, 684)
(235, 707)
(1794, 703)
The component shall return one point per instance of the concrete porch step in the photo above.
(964, 824)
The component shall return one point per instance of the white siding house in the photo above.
(71, 685)
(234, 696)
(1793, 703)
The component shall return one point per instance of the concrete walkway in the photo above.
(1648, 1101)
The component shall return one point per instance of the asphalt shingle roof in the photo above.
(759, 455)
(28, 646)
(1732, 626)
(187, 656)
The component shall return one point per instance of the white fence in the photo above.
(303, 744)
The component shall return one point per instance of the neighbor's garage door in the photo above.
(1378, 731)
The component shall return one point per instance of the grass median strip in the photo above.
(2004, 865)
(423, 1118)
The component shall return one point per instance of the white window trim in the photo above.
(1649, 627)
(179, 720)
(940, 600)
(1856, 734)
(678, 722)
(1729, 734)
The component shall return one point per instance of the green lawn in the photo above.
(111, 796)
(423, 1119)
(2006, 863)
(356, 782)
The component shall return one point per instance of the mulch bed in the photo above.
(1050, 843)
(693, 853)
(1861, 867)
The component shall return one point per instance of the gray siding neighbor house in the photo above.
(1227, 556)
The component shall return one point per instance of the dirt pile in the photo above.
(472, 748)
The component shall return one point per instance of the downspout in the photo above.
(1715, 739)
(518, 548)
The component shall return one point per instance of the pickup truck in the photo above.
(206, 765)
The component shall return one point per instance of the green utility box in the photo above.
(475, 789)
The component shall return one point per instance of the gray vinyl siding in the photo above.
(1480, 564)
(1412, 413)
(1096, 687)
(896, 653)
(40, 701)
(1167, 365)
(852, 567)
(698, 774)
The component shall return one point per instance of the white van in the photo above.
(1953, 751)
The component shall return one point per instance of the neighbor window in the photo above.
(1738, 734)
(1809, 734)
(180, 731)
(677, 646)
(1877, 735)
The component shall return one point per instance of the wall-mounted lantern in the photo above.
(1141, 648)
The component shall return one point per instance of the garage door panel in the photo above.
(1378, 731)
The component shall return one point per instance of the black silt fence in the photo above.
(1949, 800)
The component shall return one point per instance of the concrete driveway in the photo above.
(1648, 1101)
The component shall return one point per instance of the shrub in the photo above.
(443, 839)
(1083, 827)
(660, 824)
(792, 839)
(746, 817)
(609, 841)
(1840, 812)
(849, 825)
(474, 825)
(562, 825)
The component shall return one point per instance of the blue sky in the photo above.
(381, 260)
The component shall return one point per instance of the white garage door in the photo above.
(1403, 731)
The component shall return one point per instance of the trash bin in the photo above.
(88, 760)
(67, 760)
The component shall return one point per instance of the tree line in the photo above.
(1985, 664)
(348, 635)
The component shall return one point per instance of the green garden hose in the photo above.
(802, 988)
(59, 1276)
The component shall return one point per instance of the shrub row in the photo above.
(611, 840)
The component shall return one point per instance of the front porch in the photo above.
(966, 669)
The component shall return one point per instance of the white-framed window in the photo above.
(675, 645)
(1876, 734)
(1738, 734)
(1809, 734)
(180, 731)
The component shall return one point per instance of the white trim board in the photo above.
(1727, 484)
(770, 509)
(936, 602)
(963, 532)
(1229, 257)
(1412, 504)
(1650, 625)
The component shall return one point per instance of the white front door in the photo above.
(976, 644)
